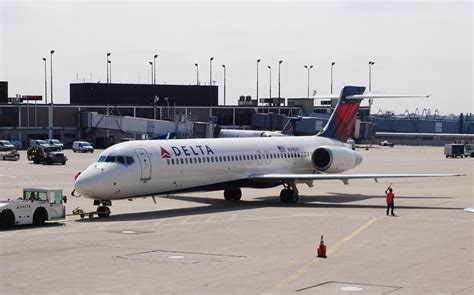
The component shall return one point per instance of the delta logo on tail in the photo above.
(164, 153)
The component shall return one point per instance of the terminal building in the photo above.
(105, 114)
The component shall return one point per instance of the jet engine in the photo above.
(335, 159)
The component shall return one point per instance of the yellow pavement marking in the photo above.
(300, 272)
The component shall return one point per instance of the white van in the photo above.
(82, 146)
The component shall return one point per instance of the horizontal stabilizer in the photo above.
(375, 95)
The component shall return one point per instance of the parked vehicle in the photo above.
(6, 145)
(454, 150)
(387, 143)
(49, 154)
(469, 150)
(36, 206)
(82, 146)
(55, 142)
(10, 154)
(32, 145)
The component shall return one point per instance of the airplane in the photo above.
(149, 168)
(287, 130)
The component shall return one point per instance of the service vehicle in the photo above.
(32, 145)
(82, 146)
(10, 154)
(454, 150)
(48, 154)
(469, 150)
(55, 142)
(6, 145)
(387, 143)
(36, 206)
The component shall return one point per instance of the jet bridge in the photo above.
(140, 125)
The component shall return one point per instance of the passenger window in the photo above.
(182, 161)
(172, 161)
(121, 160)
(186, 160)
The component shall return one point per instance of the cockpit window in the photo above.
(121, 160)
(124, 160)
(130, 160)
(110, 159)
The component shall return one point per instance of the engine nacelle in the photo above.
(335, 159)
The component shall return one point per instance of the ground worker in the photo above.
(390, 199)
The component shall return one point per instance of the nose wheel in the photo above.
(289, 194)
(103, 211)
(102, 207)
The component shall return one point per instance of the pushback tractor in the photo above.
(36, 206)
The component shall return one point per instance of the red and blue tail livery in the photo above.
(342, 120)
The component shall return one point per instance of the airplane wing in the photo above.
(272, 177)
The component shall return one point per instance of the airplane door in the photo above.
(267, 157)
(145, 163)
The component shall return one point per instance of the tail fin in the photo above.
(342, 120)
(290, 126)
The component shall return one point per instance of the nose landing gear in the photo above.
(102, 207)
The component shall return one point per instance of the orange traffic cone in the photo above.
(322, 249)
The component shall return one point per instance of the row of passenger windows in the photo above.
(124, 160)
(251, 157)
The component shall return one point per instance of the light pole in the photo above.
(51, 108)
(108, 85)
(270, 88)
(210, 70)
(279, 63)
(270, 92)
(45, 83)
(110, 71)
(154, 68)
(107, 64)
(151, 65)
(224, 81)
(371, 63)
(308, 68)
(258, 61)
(210, 84)
(197, 73)
(332, 66)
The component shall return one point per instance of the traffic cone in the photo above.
(322, 249)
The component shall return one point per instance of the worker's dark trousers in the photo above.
(390, 206)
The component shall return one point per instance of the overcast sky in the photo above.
(423, 47)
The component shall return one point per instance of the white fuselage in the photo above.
(162, 167)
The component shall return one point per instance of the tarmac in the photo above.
(198, 243)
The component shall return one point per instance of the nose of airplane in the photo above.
(87, 183)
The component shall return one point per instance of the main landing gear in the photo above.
(289, 194)
(232, 194)
(102, 207)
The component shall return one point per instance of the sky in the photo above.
(418, 47)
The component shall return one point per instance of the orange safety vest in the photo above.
(390, 198)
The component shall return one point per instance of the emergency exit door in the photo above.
(144, 163)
